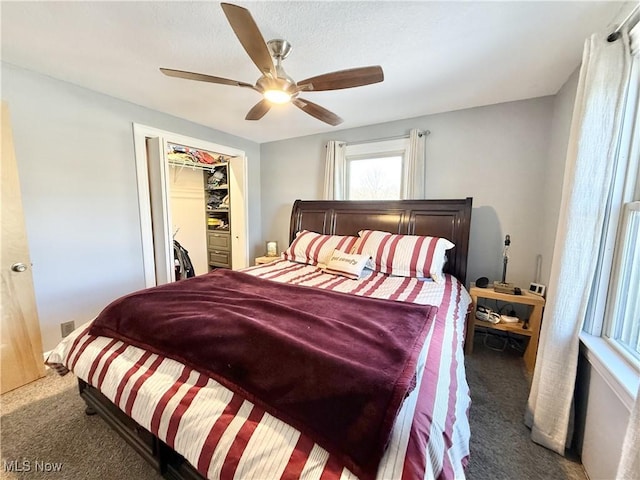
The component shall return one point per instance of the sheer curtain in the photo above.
(335, 171)
(413, 174)
(590, 162)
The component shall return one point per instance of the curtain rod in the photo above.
(397, 137)
(616, 33)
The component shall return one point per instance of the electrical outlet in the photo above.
(67, 327)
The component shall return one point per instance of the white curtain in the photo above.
(593, 142)
(335, 171)
(413, 186)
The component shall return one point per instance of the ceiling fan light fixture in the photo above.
(277, 96)
(275, 86)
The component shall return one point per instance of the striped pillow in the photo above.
(314, 248)
(404, 255)
(348, 265)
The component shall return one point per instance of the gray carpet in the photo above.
(45, 422)
(500, 446)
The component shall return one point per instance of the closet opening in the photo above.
(192, 195)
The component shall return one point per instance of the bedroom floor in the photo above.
(500, 443)
(45, 422)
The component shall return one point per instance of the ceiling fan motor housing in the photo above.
(279, 48)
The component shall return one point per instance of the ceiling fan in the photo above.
(274, 84)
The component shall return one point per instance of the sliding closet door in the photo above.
(160, 211)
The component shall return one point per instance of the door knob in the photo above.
(18, 267)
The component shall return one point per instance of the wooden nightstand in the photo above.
(535, 319)
(265, 259)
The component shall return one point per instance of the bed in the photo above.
(194, 423)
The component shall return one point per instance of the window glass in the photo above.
(374, 169)
(624, 318)
(374, 178)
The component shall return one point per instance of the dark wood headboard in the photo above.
(449, 219)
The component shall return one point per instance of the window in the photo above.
(623, 327)
(374, 178)
(374, 170)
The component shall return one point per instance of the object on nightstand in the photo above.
(272, 249)
(537, 289)
(503, 286)
(508, 319)
(486, 314)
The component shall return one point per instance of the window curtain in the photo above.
(335, 171)
(590, 162)
(413, 174)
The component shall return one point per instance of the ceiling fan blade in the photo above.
(204, 78)
(353, 77)
(317, 111)
(250, 37)
(259, 110)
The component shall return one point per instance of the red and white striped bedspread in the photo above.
(225, 436)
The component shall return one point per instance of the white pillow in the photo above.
(404, 255)
(348, 265)
(314, 248)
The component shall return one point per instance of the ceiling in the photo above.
(436, 56)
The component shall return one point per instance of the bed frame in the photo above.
(449, 219)
(441, 218)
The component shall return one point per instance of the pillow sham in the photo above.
(313, 248)
(348, 265)
(404, 255)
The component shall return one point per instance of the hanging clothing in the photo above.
(183, 266)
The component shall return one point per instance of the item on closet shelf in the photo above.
(182, 157)
(204, 157)
(217, 179)
(216, 200)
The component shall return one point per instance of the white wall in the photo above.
(499, 155)
(74, 149)
(560, 125)
(602, 418)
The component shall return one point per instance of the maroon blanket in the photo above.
(335, 366)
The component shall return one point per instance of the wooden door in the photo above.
(22, 360)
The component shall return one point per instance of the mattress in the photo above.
(223, 435)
